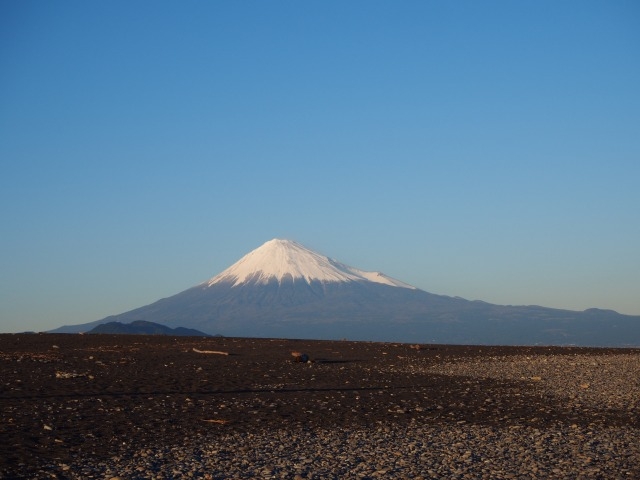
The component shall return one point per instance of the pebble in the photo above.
(455, 449)
(446, 451)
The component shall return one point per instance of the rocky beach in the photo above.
(158, 407)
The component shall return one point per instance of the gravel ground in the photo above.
(109, 407)
(387, 451)
(608, 381)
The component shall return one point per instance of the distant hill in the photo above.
(142, 327)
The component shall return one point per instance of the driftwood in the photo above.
(214, 352)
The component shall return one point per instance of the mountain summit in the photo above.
(284, 290)
(286, 260)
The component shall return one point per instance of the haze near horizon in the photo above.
(483, 150)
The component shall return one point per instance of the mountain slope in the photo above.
(283, 289)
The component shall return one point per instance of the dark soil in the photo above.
(68, 397)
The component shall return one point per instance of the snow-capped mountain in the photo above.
(284, 260)
(285, 290)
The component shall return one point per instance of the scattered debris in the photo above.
(69, 374)
(300, 357)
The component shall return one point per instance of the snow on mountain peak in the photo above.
(278, 258)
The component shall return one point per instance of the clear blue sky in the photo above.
(489, 150)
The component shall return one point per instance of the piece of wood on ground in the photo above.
(214, 352)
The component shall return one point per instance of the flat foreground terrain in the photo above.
(105, 406)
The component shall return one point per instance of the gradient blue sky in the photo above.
(489, 150)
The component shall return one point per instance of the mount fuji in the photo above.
(284, 290)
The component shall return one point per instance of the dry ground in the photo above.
(68, 397)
